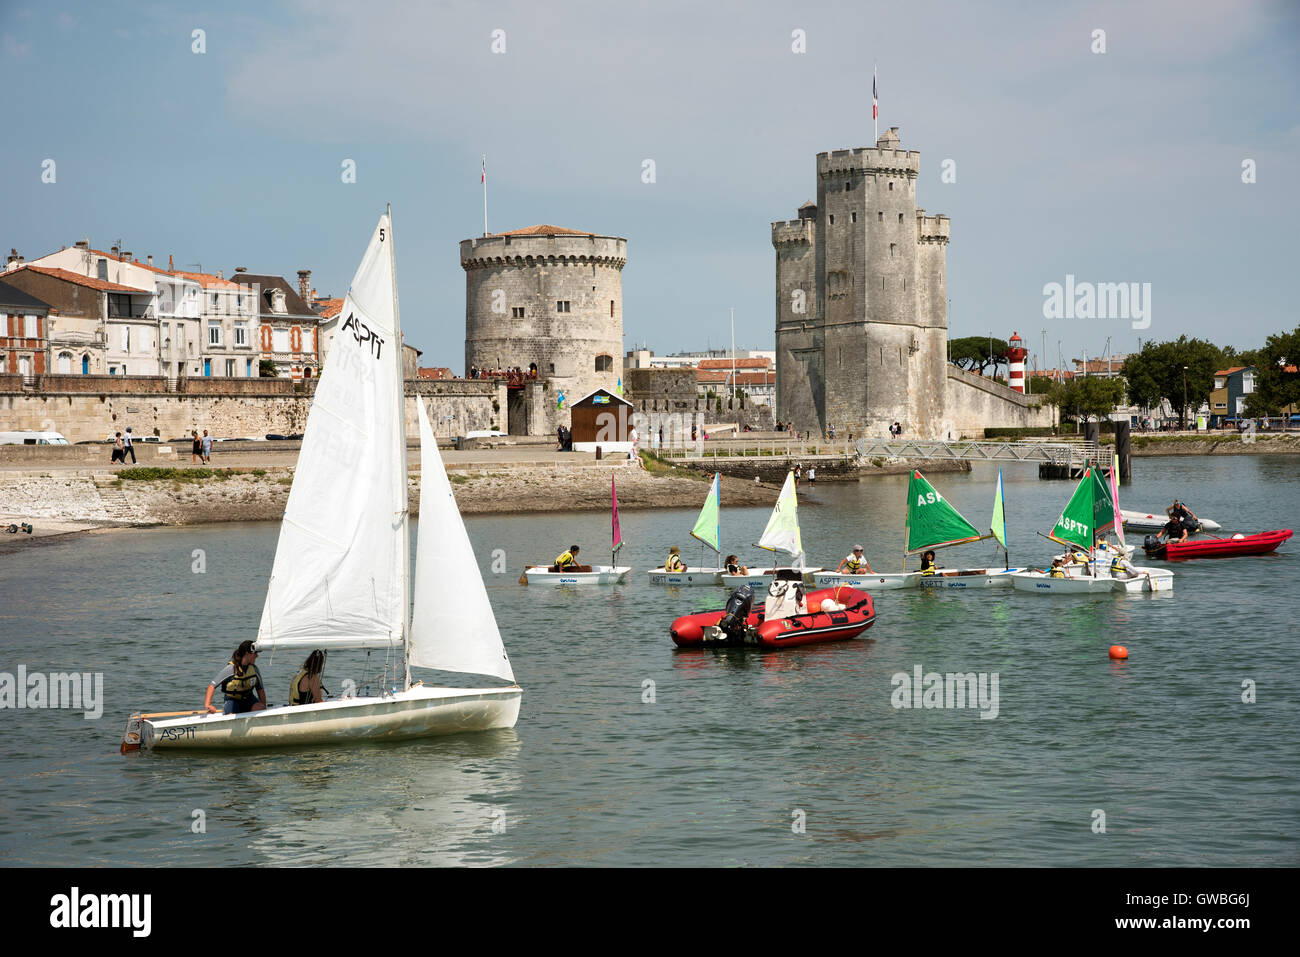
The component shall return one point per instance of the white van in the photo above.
(29, 437)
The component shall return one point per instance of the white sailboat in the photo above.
(342, 578)
(781, 535)
(611, 574)
(708, 531)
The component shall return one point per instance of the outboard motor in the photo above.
(737, 612)
(1150, 542)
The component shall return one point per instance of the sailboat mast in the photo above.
(402, 499)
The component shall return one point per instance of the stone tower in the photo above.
(547, 297)
(861, 301)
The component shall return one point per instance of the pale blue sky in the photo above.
(1123, 166)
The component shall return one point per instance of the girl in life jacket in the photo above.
(240, 682)
(928, 567)
(306, 687)
(674, 563)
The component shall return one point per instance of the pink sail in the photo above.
(618, 535)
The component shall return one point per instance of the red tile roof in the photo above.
(720, 376)
(544, 231)
(207, 280)
(330, 308)
(1230, 371)
(66, 276)
(760, 362)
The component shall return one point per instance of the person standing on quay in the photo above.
(127, 446)
(196, 450)
(119, 450)
(207, 448)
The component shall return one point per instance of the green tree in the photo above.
(266, 369)
(1277, 378)
(973, 354)
(1156, 373)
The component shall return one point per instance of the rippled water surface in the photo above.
(738, 747)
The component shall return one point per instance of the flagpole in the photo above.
(485, 226)
(875, 111)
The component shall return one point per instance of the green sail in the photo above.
(998, 524)
(1078, 522)
(931, 521)
(708, 528)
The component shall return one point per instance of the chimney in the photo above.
(126, 256)
(83, 243)
(114, 250)
(150, 258)
(220, 275)
(171, 266)
(304, 284)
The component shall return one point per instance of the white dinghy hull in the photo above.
(762, 577)
(686, 577)
(599, 575)
(416, 713)
(1157, 580)
(969, 578)
(868, 582)
(1151, 522)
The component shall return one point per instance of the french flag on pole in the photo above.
(483, 178)
(875, 111)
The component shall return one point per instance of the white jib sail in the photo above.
(453, 628)
(340, 561)
(782, 532)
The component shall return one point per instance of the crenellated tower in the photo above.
(861, 317)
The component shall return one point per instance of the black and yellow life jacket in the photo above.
(297, 696)
(241, 686)
(565, 560)
(855, 564)
(1056, 571)
(1117, 563)
(1080, 558)
(928, 566)
(674, 564)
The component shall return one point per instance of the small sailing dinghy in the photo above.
(1090, 512)
(708, 531)
(610, 574)
(780, 535)
(932, 523)
(341, 576)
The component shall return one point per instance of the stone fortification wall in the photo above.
(974, 403)
(88, 416)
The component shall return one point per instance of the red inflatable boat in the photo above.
(707, 628)
(1260, 543)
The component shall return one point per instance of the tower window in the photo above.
(891, 186)
(516, 312)
(562, 305)
(832, 220)
(848, 186)
(891, 249)
(853, 217)
(611, 309)
(604, 363)
(900, 217)
(880, 215)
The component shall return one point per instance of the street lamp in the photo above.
(1184, 398)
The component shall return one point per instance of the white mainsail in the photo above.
(453, 628)
(340, 565)
(782, 532)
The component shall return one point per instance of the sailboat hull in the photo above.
(958, 578)
(868, 582)
(599, 575)
(1156, 580)
(687, 577)
(762, 577)
(416, 713)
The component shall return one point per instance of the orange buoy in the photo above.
(1118, 651)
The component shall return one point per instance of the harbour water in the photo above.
(628, 752)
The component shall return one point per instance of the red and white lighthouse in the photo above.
(1016, 358)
